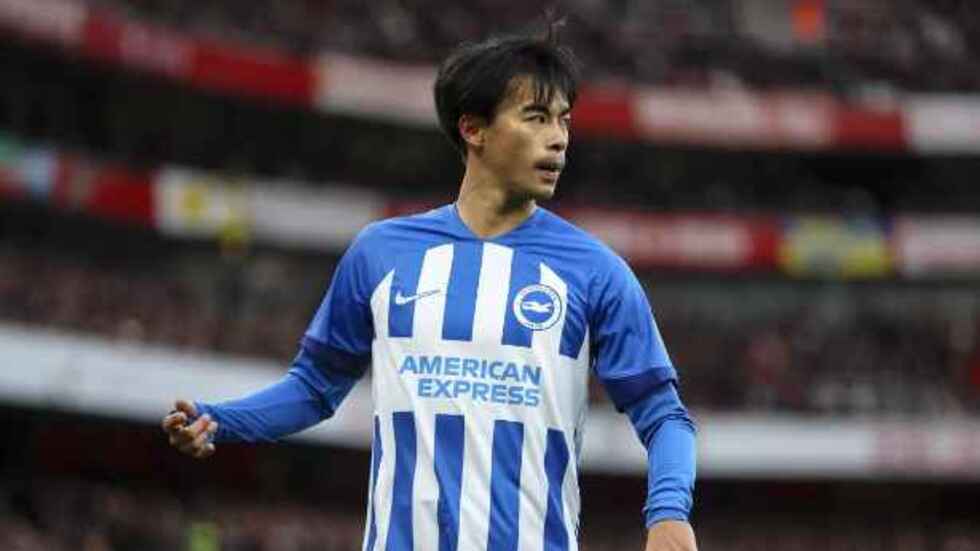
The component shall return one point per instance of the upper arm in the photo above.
(343, 326)
(629, 356)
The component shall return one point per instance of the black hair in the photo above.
(475, 77)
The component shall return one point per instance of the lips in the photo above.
(550, 168)
(550, 165)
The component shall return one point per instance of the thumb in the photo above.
(186, 407)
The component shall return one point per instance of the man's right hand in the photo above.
(193, 439)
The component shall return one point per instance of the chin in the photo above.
(544, 195)
(541, 192)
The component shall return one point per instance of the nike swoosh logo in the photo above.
(402, 300)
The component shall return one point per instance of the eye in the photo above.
(538, 118)
(566, 121)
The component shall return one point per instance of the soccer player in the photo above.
(480, 322)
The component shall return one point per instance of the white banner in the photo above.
(50, 370)
(292, 216)
(734, 118)
(937, 245)
(59, 21)
(359, 86)
(937, 123)
(191, 203)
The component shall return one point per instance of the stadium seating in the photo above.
(672, 42)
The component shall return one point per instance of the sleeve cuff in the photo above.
(627, 390)
(660, 514)
(221, 435)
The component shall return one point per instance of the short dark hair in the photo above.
(475, 77)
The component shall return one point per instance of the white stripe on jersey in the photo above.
(534, 491)
(571, 499)
(474, 506)
(425, 491)
(547, 343)
(430, 310)
(491, 294)
(383, 490)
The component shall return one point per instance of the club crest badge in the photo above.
(537, 307)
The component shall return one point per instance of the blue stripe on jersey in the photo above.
(505, 482)
(408, 267)
(523, 272)
(555, 463)
(457, 322)
(400, 535)
(449, 473)
(375, 463)
(573, 334)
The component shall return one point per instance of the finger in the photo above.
(185, 436)
(174, 422)
(197, 427)
(202, 440)
(199, 443)
(186, 407)
(203, 446)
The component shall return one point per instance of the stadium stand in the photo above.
(142, 122)
(837, 44)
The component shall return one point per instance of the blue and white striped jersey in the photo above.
(480, 351)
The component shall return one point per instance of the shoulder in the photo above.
(607, 278)
(591, 250)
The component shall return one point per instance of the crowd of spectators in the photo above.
(257, 308)
(118, 117)
(770, 346)
(75, 515)
(835, 350)
(62, 515)
(918, 44)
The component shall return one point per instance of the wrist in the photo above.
(671, 535)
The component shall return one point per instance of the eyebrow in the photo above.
(541, 108)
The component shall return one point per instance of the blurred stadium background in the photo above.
(795, 181)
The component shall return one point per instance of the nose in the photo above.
(558, 138)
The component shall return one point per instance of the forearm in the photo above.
(668, 434)
(283, 408)
(671, 458)
(308, 394)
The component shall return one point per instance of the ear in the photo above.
(472, 128)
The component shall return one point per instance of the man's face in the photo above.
(525, 143)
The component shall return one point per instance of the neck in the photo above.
(487, 208)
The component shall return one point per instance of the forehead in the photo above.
(522, 92)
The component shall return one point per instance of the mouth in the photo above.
(549, 170)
